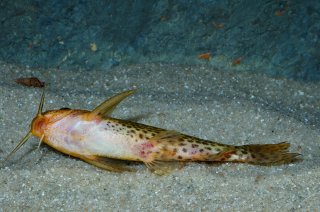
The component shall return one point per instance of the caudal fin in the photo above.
(270, 154)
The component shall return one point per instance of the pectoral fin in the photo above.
(106, 107)
(109, 164)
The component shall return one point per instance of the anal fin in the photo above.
(160, 164)
(163, 167)
(109, 164)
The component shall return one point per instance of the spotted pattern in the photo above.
(169, 146)
(132, 129)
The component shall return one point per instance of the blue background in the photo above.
(280, 38)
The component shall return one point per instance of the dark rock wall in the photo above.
(277, 37)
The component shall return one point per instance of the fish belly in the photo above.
(77, 137)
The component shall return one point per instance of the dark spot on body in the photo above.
(263, 156)
(179, 157)
(182, 144)
(184, 150)
(201, 150)
(208, 148)
(140, 136)
(195, 145)
(162, 156)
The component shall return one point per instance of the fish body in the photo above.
(75, 133)
(101, 140)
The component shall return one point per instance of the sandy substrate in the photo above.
(233, 108)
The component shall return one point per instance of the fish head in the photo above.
(40, 123)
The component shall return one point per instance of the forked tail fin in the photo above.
(270, 154)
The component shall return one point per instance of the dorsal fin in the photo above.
(106, 107)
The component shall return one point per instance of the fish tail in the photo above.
(268, 154)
